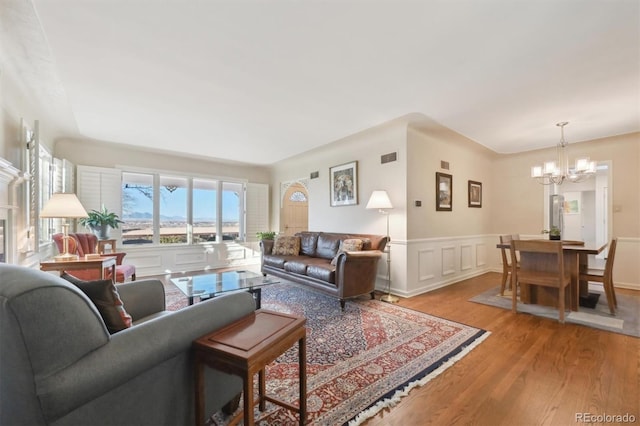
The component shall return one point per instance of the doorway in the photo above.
(587, 210)
(294, 211)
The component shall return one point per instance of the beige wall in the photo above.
(102, 154)
(366, 148)
(518, 199)
(429, 143)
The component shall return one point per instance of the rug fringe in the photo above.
(399, 394)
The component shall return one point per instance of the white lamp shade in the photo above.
(379, 200)
(63, 205)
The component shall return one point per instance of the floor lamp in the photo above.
(380, 200)
(64, 206)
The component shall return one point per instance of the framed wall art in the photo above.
(343, 180)
(475, 194)
(444, 192)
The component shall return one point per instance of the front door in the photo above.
(294, 216)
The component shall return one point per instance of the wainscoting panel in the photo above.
(158, 260)
(466, 257)
(481, 254)
(143, 260)
(437, 262)
(190, 258)
(448, 260)
(426, 264)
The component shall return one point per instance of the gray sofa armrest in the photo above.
(136, 350)
(142, 298)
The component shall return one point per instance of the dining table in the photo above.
(576, 260)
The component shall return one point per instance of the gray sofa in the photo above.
(320, 263)
(60, 366)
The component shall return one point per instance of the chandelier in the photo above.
(556, 172)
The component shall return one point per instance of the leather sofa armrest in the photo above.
(143, 347)
(356, 272)
(142, 298)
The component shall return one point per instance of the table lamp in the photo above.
(64, 206)
(380, 200)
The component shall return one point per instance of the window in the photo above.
(173, 210)
(186, 209)
(232, 201)
(137, 208)
(204, 210)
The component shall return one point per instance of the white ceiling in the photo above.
(259, 81)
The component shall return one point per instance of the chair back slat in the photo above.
(548, 256)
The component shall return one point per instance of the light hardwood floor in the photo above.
(530, 371)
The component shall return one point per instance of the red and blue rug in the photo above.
(359, 360)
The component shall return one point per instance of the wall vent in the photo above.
(444, 165)
(314, 175)
(388, 158)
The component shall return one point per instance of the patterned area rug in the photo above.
(625, 321)
(358, 361)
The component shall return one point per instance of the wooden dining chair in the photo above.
(605, 277)
(541, 264)
(507, 260)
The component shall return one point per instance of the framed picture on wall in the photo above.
(444, 192)
(475, 194)
(343, 180)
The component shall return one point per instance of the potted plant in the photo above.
(266, 235)
(554, 233)
(101, 222)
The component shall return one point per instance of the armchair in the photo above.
(87, 244)
(60, 366)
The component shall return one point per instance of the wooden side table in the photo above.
(99, 263)
(245, 348)
(103, 243)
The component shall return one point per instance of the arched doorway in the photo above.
(294, 211)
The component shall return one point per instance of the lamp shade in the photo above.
(63, 205)
(379, 200)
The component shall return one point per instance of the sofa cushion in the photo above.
(296, 267)
(350, 244)
(276, 261)
(105, 296)
(286, 245)
(308, 241)
(325, 272)
(328, 245)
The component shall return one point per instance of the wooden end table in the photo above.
(245, 348)
(103, 243)
(100, 263)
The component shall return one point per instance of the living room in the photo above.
(431, 249)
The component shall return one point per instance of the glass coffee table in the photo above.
(205, 286)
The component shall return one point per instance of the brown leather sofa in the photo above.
(321, 264)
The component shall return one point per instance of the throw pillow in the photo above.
(285, 245)
(105, 297)
(351, 244)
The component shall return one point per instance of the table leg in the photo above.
(199, 384)
(257, 296)
(302, 361)
(247, 387)
(262, 390)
